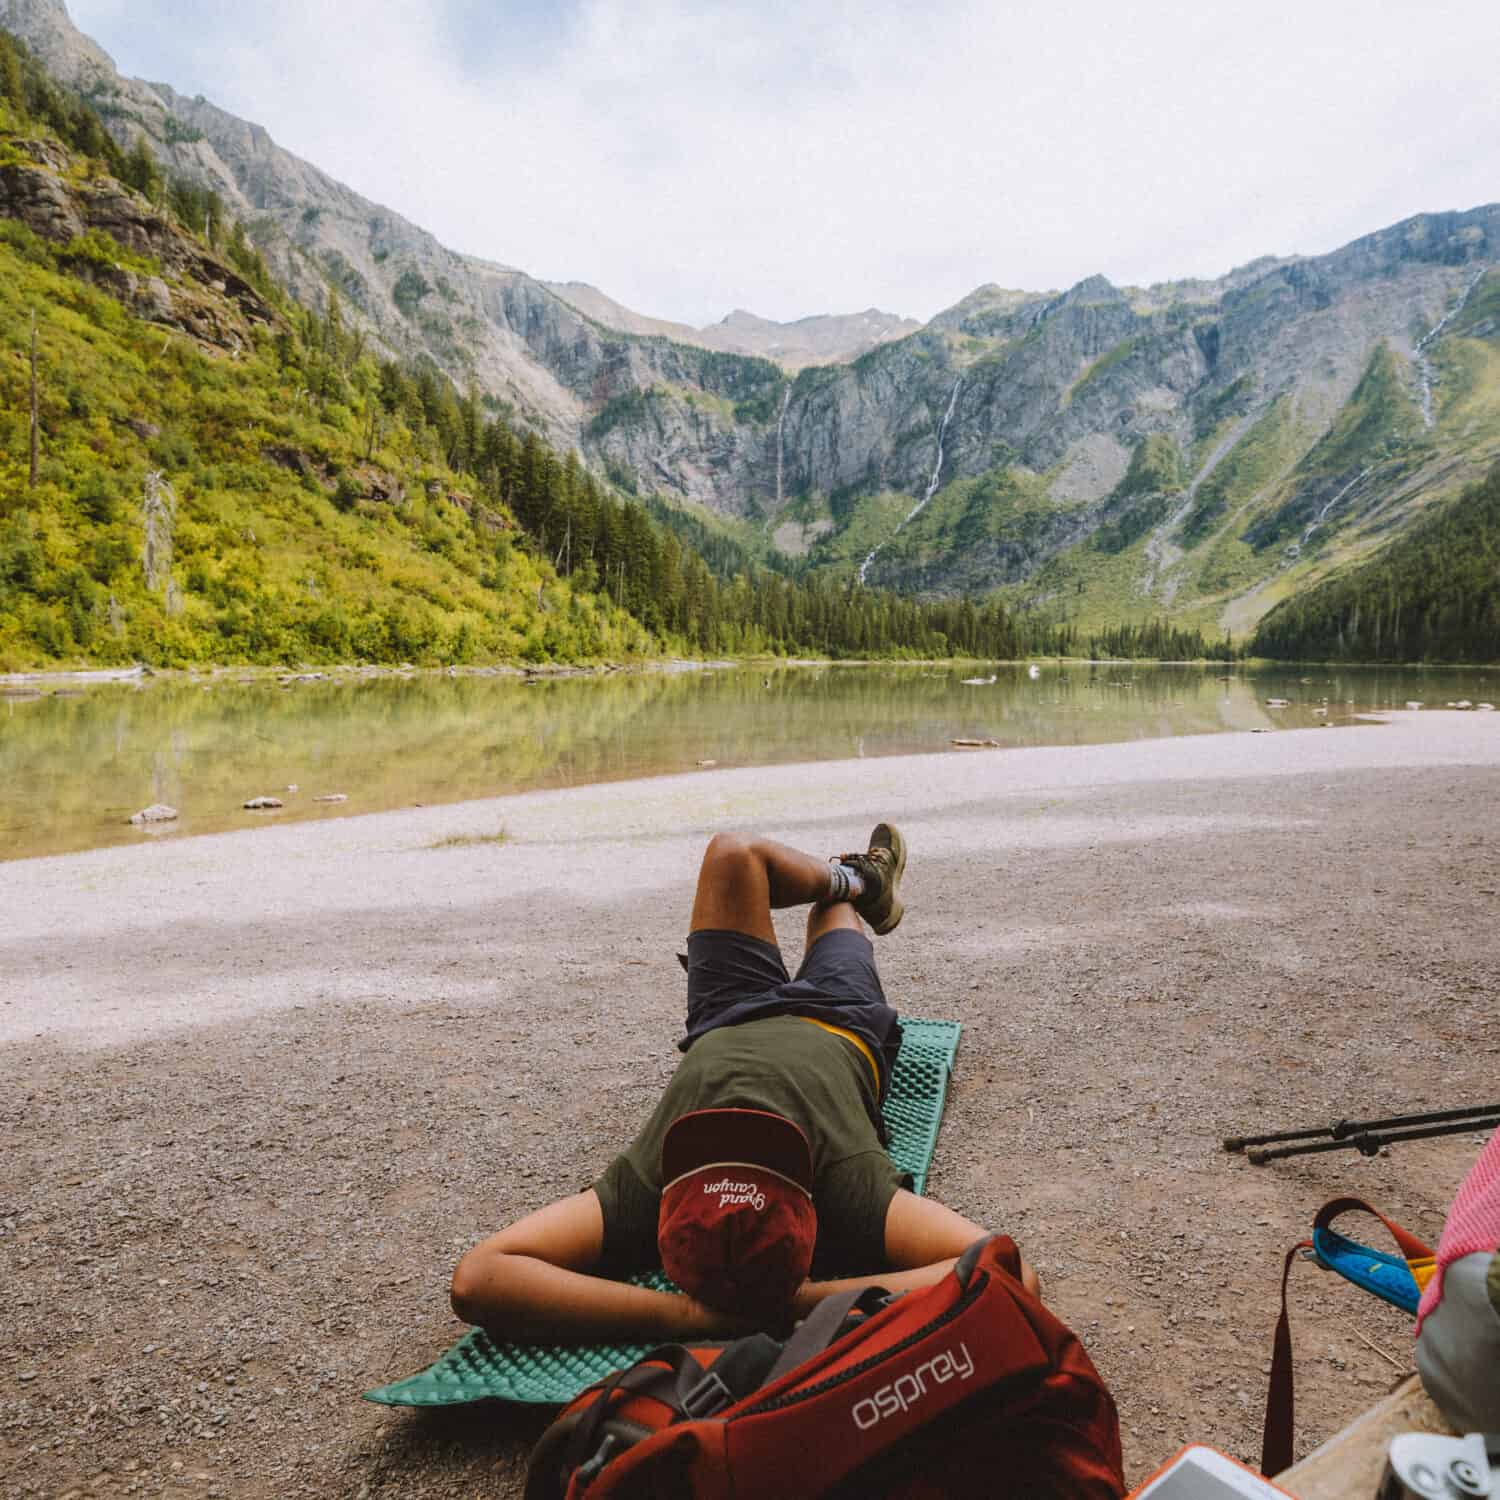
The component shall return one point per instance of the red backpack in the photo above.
(967, 1387)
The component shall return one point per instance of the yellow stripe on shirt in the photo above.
(849, 1036)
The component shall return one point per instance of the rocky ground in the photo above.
(261, 1089)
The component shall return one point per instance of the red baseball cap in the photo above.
(736, 1228)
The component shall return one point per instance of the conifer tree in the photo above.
(12, 80)
(36, 421)
(141, 172)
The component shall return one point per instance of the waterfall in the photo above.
(1419, 354)
(1424, 375)
(1318, 519)
(1160, 552)
(932, 485)
(786, 397)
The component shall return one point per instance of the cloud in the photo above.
(693, 157)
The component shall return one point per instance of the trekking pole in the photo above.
(1343, 1128)
(1400, 1122)
(1368, 1142)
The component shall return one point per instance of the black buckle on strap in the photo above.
(588, 1472)
(708, 1396)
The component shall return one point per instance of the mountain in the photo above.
(480, 321)
(822, 340)
(197, 470)
(1203, 447)
(218, 476)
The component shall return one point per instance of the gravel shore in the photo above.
(261, 1089)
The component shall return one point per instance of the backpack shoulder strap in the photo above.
(822, 1326)
(587, 1438)
(1411, 1247)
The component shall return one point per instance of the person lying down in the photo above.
(764, 1157)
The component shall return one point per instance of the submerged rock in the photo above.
(158, 812)
(257, 803)
(332, 797)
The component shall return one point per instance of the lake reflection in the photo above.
(74, 767)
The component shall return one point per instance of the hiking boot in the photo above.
(880, 869)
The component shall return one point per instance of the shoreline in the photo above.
(329, 746)
(323, 746)
(344, 671)
(274, 1082)
(141, 674)
(365, 855)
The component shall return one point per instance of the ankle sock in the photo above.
(844, 883)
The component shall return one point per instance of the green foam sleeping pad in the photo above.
(481, 1368)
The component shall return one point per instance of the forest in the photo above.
(1432, 595)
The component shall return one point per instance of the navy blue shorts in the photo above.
(733, 978)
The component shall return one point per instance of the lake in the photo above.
(76, 763)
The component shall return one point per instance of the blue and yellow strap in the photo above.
(1397, 1279)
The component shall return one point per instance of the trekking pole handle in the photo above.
(1239, 1142)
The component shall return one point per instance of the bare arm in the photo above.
(532, 1281)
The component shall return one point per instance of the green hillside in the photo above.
(237, 480)
(1378, 425)
(1433, 595)
(283, 525)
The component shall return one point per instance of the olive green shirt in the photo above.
(787, 1066)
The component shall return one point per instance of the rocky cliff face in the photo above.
(1046, 381)
(194, 292)
(479, 320)
(1312, 406)
(1308, 405)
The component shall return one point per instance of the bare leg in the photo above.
(827, 918)
(743, 877)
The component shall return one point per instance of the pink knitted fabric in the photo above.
(1473, 1222)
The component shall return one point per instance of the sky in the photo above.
(692, 158)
